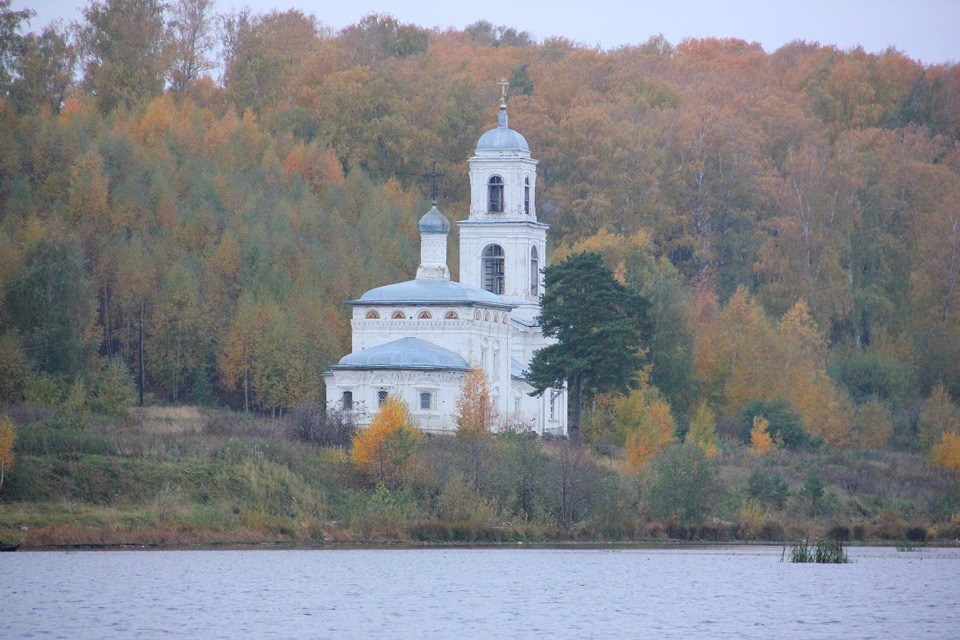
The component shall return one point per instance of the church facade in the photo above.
(417, 339)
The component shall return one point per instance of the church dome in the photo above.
(405, 353)
(503, 138)
(434, 222)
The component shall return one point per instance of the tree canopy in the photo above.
(598, 324)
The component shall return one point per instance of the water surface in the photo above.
(725, 592)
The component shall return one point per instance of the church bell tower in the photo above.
(502, 245)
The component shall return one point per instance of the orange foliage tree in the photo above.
(761, 442)
(646, 424)
(946, 453)
(384, 449)
(7, 438)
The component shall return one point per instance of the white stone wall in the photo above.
(517, 240)
(364, 385)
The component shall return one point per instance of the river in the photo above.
(712, 592)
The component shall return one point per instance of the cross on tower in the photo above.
(503, 91)
(434, 188)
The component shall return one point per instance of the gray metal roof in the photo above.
(405, 353)
(431, 291)
(434, 222)
(503, 138)
(517, 369)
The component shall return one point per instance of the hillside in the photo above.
(791, 216)
(180, 476)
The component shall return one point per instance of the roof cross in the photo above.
(434, 187)
(503, 91)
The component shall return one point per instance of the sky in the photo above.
(926, 30)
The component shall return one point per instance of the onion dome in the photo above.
(434, 222)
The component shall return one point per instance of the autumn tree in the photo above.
(11, 41)
(474, 416)
(123, 43)
(939, 415)
(645, 424)
(44, 71)
(8, 437)
(761, 442)
(598, 324)
(193, 38)
(385, 448)
(702, 432)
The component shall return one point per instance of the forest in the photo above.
(187, 200)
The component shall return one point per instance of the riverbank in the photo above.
(185, 478)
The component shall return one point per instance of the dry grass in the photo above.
(170, 420)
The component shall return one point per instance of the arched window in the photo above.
(347, 400)
(476, 315)
(492, 258)
(526, 196)
(424, 315)
(495, 194)
(486, 316)
(504, 319)
(534, 272)
(451, 315)
(372, 315)
(398, 315)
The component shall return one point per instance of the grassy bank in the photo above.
(182, 476)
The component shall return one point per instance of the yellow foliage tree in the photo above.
(8, 437)
(946, 453)
(761, 442)
(703, 431)
(939, 416)
(474, 414)
(647, 424)
(385, 448)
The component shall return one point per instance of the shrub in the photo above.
(870, 374)
(316, 424)
(771, 490)
(681, 484)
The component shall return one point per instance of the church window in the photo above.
(492, 258)
(426, 401)
(381, 397)
(496, 360)
(504, 319)
(526, 196)
(553, 407)
(372, 315)
(486, 316)
(424, 315)
(451, 315)
(495, 194)
(398, 315)
(534, 272)
(347, 400)
(477, 316)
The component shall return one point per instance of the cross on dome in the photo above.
(503, 92)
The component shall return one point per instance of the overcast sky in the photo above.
(927, 30)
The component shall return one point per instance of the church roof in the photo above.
(517, 369)
(434, 222)
(405, 353)
(434, 291)
(503, 138)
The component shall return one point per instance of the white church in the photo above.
(417, 339)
